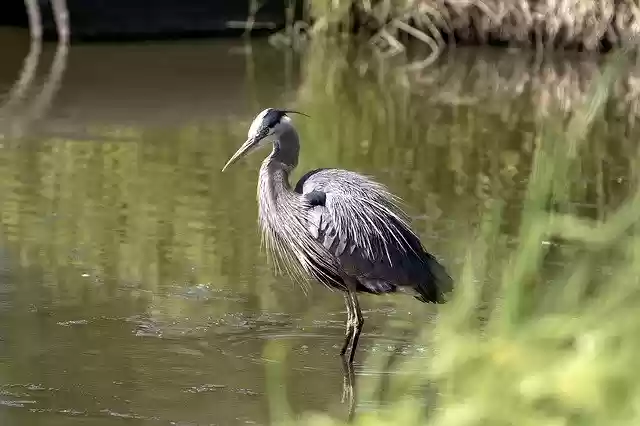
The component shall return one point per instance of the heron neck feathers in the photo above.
(286, 148)
(274, 189)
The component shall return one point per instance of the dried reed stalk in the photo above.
(585, 24)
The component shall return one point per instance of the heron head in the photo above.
(268, 122)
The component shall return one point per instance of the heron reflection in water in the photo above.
(337, 227)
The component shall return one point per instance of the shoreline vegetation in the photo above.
(391, 26)
(581, 24)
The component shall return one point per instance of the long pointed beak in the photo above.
(241, 152)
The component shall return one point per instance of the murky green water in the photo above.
(133, 286)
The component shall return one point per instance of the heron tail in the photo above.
(437, 283)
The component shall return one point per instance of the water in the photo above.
(132, 284)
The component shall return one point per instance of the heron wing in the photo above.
(358, 221)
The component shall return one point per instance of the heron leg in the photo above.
(357, 324)
(354, 326)
(349, 325)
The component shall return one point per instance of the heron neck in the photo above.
(274, 186)
(286, 148)
(274, 191)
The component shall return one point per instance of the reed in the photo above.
(583, 24)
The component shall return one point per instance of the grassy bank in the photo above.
(589, 25)
(522, 343)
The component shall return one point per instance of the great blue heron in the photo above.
(338, 227)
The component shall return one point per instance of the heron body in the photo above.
(338, 227)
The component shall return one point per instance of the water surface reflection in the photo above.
(131, 281)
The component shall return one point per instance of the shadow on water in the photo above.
(132, 281)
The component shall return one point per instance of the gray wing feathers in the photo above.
(315, 221)
(363, 227)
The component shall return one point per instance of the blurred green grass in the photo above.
(517, 344)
